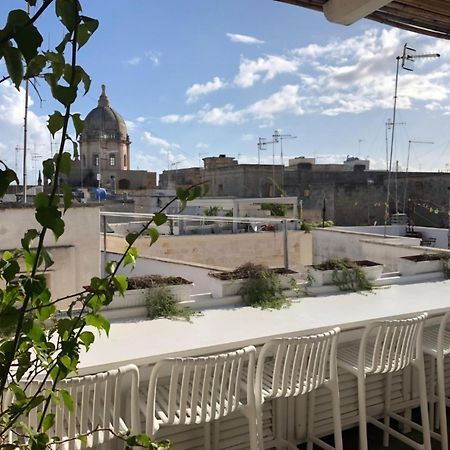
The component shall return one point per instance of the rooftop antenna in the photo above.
(407, 167)
(277, 137)
(408, 58)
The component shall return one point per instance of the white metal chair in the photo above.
(104, 401)
(436, 343)
(291, 367)
(388, 347)
(190, 391)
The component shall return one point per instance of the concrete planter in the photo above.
(409, 265)
(319, 278)
(136, 298)
(226, 288)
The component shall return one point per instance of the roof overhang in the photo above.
(430, 17)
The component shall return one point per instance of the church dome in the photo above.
(104, 122)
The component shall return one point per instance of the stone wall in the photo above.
(226, 251)
(76, 253)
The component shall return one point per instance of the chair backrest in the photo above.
(199, 390)
(107, 400)
(390, 345)
(443, 344)
(296, 365)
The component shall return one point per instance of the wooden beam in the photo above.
(347, 12)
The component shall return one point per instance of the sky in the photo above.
(201, 78)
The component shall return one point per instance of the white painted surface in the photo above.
(144, 342)
(347, 12)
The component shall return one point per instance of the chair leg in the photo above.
(424, 405)
(334, 387)
(387, 407)
(362, 413)
(259, 427)
(441, 402)
(207, 436)
(253, 432)
(432, 392)
(310, 420)
(279, 435)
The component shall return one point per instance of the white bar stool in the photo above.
(436, 343)
(290, 367)
(192, 391)
(387, 347)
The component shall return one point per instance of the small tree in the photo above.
(34, 340)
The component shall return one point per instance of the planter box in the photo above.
(408, 265)
(226, 288)
(372, 270)
(135, 298)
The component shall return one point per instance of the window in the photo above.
(125, 160)
(96, 160)
(112, 159)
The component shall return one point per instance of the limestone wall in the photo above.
(227, 250)
(76, 253)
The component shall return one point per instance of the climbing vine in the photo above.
(37, 343)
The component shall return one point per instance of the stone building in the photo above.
(350, 192)
(105, 155)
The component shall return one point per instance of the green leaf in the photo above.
(110, 267)
(41, 200)
(48, 261)
(65, 163)
(28, 40)
(85, 30)
(7, 177)
(154, 235)
(49, 168)
(62, 45)
(50, 217)
(35, 66)
(159, 218)
(78, 123)
(194, 193)
(48, 422)
(67, 196)
(65, 94)
(121, 283)
(182, 194)
(29, 258)
(67, 11)
(10, 270)
(87, 338)
(130, 257)
(54, 124)
(67, 399)
(14, 66)
(98, 321)
(131, 238)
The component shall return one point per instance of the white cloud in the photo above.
(220, 116)
(197, 90)
(11, 132)
(201, 145)
(156, 141)
(265, 68)
(244, 39)
(149, 55)
(248, 137)
(141, 119)
(177, 118)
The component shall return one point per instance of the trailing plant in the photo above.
(276, 209)
(262, 288)
(36, 342)
(347, 275)
(161, 303)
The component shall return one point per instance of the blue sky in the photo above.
(201, 78)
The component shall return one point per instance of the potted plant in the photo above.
(139, 287)
(228, 283)
(161, 302)
(424, 263)
(344, 273)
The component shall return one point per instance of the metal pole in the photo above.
(386, 206)
(285, 244)
(104, 243)
(25, 132)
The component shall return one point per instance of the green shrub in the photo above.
(262, 289)
(161, 303)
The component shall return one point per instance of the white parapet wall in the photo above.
(225, 250)
(340, 243)
(76, 253)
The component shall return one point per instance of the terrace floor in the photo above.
(375, 438)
